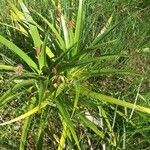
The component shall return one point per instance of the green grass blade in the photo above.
(103, 35)
(79, 25)
(42, 87)
(92, 126)
(122, 115)
(61, 42)
(49, 52)
(63, 137)
(63, 55)
(26, 126)
(18, 14)
(8, 94)
(33, 26)
(33, 29)
(27, 114)
(73, 64)
(92, 48)
(19, 52)
(59, 89)
(42, 56)
(35, 33)
(41, 128)
(96, 73)
(15, 28)
(108, 124)
(9, 98)
(106, 25)
(65, 31)
(66, 118)
(77, 94)
(7, 67)
(101, 45)
(112, 100)
(35, 109)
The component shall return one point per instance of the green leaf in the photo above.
(63, 137)
(103, 35)
(100, 45)
(59, 89)
(33, 29)
(18, 15)
(27, 114)
(49, 52)
(61, 42)
(7, 67)
(62, 56)
(42, 56)
(8, 95)
(10, 26)
(19, 52)
(96, 73)
(86, 61)
(26, 19)
(108, 124)
(122, 115)
(77, 94)
(112, 100)
(41, 128)
(26, 125)
(79, 25)
(42, 87)
(65, 31)
(67, 120)
(9, 98)
(86, 51)
(92, 126)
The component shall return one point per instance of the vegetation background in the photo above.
(131, 37)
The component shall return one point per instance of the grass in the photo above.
(69, 84)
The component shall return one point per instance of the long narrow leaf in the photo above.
(67, 120)
(8, 94)
(77, 92)
(108, 124)
(54, 30)
(33, 29)
(87, 61)
(92, 126)
(65, 31)
(19, 52)
(112, 100)
(7, 67)
(63, 137)
(33, 111)
(79, 25)
(41, 128)
(96, 73)
(9, 98)
(13, 27)
(103, 35)
(42, 56)
(26, 126)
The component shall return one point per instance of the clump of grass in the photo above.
(54, 72)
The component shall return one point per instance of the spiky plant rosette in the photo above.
(56, 71)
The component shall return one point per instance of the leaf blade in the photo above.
(19, 52)
(112, 100)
